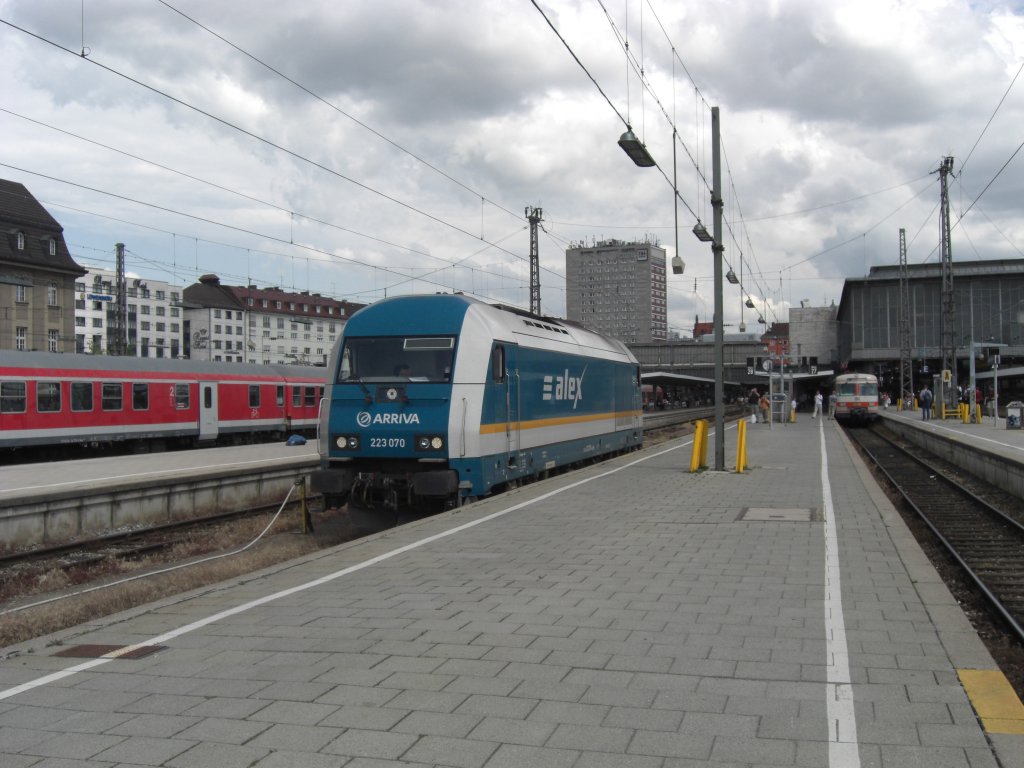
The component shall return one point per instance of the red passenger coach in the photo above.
(51, 399)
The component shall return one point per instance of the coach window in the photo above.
(498, 363)
(181, 396)
(254, 395)
(112, 397)
(81, 395)
(296, 397)
(280, 395)
(12, 396)
(140, 397)
(310, 397)
(48, 397)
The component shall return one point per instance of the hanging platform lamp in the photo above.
(635, 148)
(702, 232)
(731, 277)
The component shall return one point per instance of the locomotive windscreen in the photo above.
(397, 358)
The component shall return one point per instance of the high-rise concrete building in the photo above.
(154, 321)
(618, 289)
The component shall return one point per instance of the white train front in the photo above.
(447, 398)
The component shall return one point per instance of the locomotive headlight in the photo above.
(347, 442)
(429, 442)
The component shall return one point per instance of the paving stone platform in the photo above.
(630, 615)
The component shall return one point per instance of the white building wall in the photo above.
(155, 324)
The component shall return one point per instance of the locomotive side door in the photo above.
(207, 410)
(512, 403)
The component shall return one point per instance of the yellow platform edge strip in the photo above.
(994, 699)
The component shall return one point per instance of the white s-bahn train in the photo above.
(445, 397)
(856, 397)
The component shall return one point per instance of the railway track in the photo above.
(986, 542)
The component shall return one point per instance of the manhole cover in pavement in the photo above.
(770, 514)
(111, 651)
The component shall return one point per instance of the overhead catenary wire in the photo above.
(284, 241)
(337, 109)
(291, 153)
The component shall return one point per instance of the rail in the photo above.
(986, 543)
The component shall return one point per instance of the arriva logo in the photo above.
(364, 419)
(564, 387)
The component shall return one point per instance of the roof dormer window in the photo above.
(21, 241)
(53, 247)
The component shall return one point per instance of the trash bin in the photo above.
(1014, 412)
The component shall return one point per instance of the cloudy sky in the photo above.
(363, 149)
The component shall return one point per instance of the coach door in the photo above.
(207, 410)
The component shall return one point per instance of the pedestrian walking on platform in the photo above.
(833, 398)
(926, 402)
(818, 400)
(765, 409)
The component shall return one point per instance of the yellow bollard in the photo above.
(699, 456)
(741, 445)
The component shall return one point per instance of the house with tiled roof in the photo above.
(37, 275)
(245, 323)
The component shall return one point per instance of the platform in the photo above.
(987, 450)
(630, 615)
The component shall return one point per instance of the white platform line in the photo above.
(185, 629)
(843, 748)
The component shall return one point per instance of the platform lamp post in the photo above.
(717, 249)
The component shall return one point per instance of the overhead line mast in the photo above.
(906, 354)
(535, 216)
(948, 340)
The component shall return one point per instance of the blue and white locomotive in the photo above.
(446, 398)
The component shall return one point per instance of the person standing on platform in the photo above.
(818, 400)
(833, 398)
(765, 409)
(753, 399)
(926, 402)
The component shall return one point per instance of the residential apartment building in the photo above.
(154, 320)
(261, 325)
(618, 289)
(37, 275)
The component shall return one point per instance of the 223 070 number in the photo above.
(387, 442)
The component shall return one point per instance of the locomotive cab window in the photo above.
(112, 397)
(81, 396)
(48, 397)
(12, 397)
(397, 358)
(858, 388)
(140, 397)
